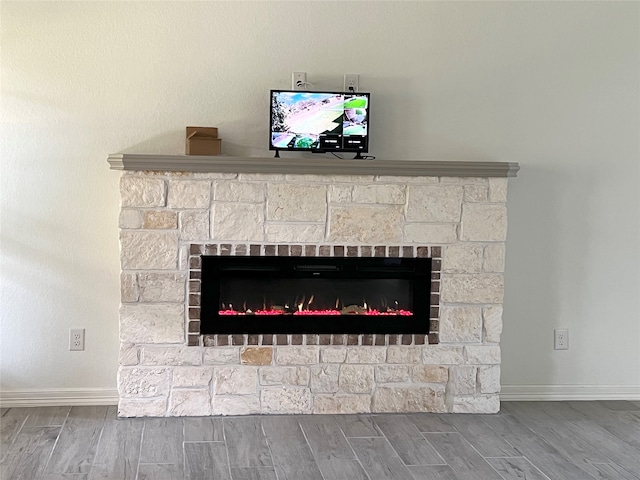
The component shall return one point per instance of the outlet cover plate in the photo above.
(76, 339)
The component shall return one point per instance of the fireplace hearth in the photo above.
(298, 295)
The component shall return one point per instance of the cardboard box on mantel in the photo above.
(203, 141)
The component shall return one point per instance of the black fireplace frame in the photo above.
(418, 270)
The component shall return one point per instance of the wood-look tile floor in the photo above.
(527, 440)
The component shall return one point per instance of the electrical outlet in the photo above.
(76, 339)
(561, 339)
(351, 81)
(299, 81)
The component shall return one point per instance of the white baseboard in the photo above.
(569, 392)
(58, 396)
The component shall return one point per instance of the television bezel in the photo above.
(315, 150)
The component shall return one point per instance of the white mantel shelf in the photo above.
(319, 166)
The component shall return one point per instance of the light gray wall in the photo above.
(551, 85)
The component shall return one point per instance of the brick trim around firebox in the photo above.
(195, 339)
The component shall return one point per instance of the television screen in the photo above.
(319, 121)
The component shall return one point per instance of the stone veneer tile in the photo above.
(294, 232)
(434, 203)
(409, 399)
(194, 225)
(235, 405)
(152, 323)
(356, 378)
(162, 287)
(236, 380)
(148, 250)
(460, 324)
(391, 373)
(189, 194)
(498, 190)
(341, 404)
(430, 232)
(129, 287)
(366, 224)
(484, 222)
(470, 288)
(142, 192)
(242, 192)
(160, 219)
(492, 323)
(256, 356)
(289, 400)
(298, 355)
(170, 355)
(130, 219)
(144, 382)
(237, 222)
(391, 194)
(190, 402)
(221, 355)
(463, 258)
(493, 258)
(297, 203)
(284, 376)
(429, 366)
(325, 378)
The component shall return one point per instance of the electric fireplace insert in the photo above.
(280, 295)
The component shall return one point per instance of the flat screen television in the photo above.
(319, 121)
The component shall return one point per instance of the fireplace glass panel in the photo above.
(314, 295)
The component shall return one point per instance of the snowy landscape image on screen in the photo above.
(309, 120)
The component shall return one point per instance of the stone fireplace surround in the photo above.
(452, 210)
